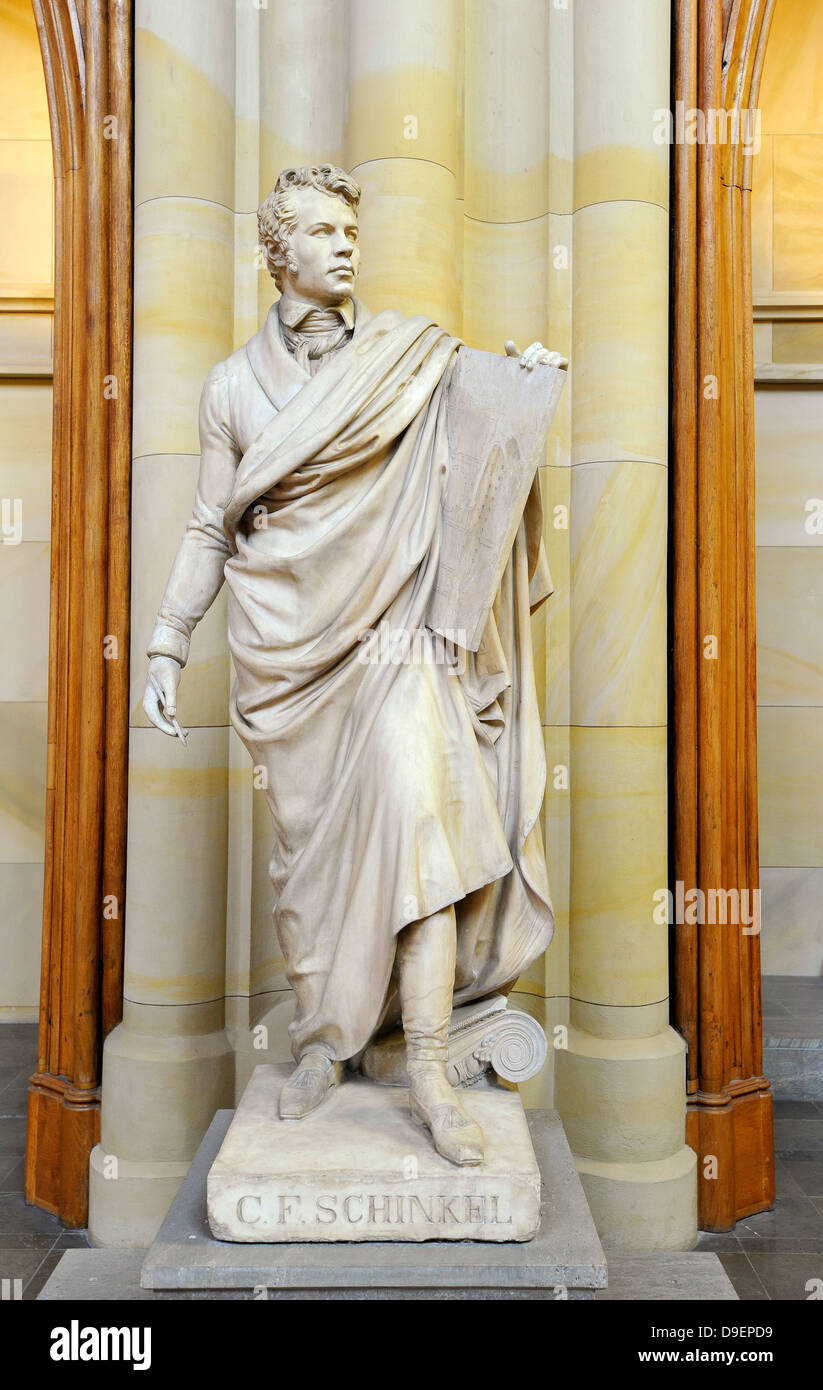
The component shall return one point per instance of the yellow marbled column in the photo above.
(303, 84)
(506, 173)
(620, 1078)
(168, 1066)
(506, 273)
(401, 146)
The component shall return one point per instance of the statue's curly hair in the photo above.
(277, 214)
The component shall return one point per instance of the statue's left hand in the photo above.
(536, 355)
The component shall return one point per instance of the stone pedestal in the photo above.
(565, 1259)
(360, 1169)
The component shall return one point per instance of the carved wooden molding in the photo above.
(717, 1003)
(86, 47)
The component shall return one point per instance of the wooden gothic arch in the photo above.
(86, 47)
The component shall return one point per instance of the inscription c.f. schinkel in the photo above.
(374, 1209)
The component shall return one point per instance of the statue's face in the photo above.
(324, 246)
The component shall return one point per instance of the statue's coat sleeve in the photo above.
(197, 573)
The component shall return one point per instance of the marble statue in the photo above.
(405, 781)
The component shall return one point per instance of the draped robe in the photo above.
(396, 787)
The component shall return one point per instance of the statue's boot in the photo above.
(426, 953)
(309, 1084)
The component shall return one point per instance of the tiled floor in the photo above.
(31, 1241)
(770, 1256)
(793, 1036)
(775, 1254)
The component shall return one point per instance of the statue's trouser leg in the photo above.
(426, 954)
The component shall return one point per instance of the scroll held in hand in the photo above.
(498, 417)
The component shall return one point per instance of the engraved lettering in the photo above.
(446, 1209)
(380, 1209)
(241, 1211)
(496, 1219)
(415, 1201)
(325, 1213)
(356, 1197)
(286, 1208)
(475, 1209)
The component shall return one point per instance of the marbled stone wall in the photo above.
(26, 316)
(787, 207)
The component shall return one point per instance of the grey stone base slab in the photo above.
(360, 1169)
(114, 1276)
(97, 1276)
(667, 1276)
(565, 1258)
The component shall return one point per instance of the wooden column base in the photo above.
(735, 1127)
(63, 1127)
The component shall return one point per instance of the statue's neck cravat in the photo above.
(312, 334)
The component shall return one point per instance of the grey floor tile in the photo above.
(22, 1265)
(42, 1274)
(8, 1163)
(73, 1240)
(791, 1136)
(786, 1276)
(804, 1026)
(746, 1283)
(16, 1216)
(750, 1244)
(14, 1178)
(795, 1073)
(797, 982)
(717, 1241)
(16, 1051)
(808, 1175)
(13, 1135)
(796, 1110)
(26, 1031)
(8, 1074)
(25, 1240)
(14, 1100)
(793, 1214)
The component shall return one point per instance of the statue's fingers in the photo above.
(152, 711)
(166, 692)
(151, 704)
(512, 350)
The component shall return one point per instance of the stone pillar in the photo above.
(621, 1078)
(168, 1066)
(303, 81)
(401, 146)
(506, 272)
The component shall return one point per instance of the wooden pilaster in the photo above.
(718, 59)
(86, 47)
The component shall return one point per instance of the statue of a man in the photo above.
(408, 865)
